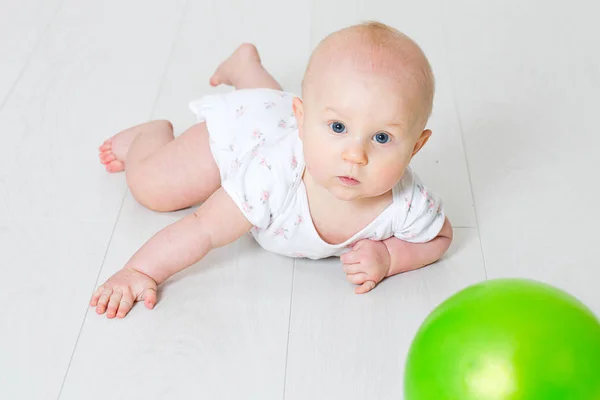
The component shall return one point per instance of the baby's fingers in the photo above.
(125, 305)
(357, 279)
(353, 268)
(148, 296)
(103, 300)
(113, 303)
(365, 287)
(96, 296)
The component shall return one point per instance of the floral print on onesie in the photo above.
(254, 141)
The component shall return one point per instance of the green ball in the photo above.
(506, 339)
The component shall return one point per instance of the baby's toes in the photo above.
(106, 157)
(115, 166)
(106, 146)
(215, 80)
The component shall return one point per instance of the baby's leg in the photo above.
(244, 70)
(163, 174)
(167, 174)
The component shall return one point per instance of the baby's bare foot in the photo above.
(243, 58)
(114, 150)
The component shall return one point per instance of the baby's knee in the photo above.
(145, 192)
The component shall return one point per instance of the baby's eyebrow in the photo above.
(395, 125)
(398, 125)
(331, 109)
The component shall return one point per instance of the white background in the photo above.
(514, 154)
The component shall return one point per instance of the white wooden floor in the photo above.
(514, 154)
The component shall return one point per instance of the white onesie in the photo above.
(254, 141)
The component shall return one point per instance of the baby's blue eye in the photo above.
(337, 127)
(382, 137)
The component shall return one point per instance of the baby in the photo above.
(325, 175)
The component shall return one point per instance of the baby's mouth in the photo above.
(348, 181)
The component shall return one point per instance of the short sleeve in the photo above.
(420, 212)
(253, 186)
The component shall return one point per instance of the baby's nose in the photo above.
(355, 155)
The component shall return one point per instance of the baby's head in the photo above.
(367, 95)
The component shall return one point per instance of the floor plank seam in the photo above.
(287, 346)
(464, 148)
(34, 50)
(160, 85)
(91, 291)
(170, 56)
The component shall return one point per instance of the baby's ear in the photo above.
(425, 135)
(298, 108)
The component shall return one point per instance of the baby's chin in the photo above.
(358, 192)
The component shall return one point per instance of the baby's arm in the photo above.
(216, 223)
(406, 256)
(371, 261)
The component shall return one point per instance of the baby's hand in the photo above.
(366, 264)
(121, 290)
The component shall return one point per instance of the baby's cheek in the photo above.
(386, 177)
(316, 153)
(316, 160)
